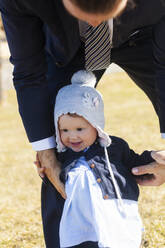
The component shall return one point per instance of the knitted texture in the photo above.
(84, 100)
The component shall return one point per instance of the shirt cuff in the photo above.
(163, 135)
(44, 144)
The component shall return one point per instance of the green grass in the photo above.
(129, 115)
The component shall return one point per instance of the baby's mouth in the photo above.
(75, 143)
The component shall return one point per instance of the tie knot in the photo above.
(90, 30)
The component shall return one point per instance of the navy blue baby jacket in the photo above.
(122, 160)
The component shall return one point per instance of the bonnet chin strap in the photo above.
(121, 205)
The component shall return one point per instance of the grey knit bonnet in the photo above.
(84, 100)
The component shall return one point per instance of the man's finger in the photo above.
(41, 172)
(146, 182)
(37, 157)
(159, 156)
(61, 190)
(144, 169)
(38, 164)
(63, 194)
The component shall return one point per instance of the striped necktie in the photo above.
(97, 47)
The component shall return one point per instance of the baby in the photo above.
(101, 208)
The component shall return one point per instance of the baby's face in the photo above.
(76, 133)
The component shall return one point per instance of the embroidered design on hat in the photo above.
(89, 101)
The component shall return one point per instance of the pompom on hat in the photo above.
(83, 99)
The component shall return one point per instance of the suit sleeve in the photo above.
(159, 60)
(24, 32)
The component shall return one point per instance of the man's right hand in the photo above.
(48, 164)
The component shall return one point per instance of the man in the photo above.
(47, 45)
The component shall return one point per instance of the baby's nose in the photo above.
(73, 135)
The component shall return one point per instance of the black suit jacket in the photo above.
(35, 26)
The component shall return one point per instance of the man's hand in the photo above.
(47, 164)
(159, 156)
(156, 170)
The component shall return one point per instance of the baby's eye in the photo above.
(64, 130)
(79, 129)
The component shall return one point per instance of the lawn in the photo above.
(129, 115)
